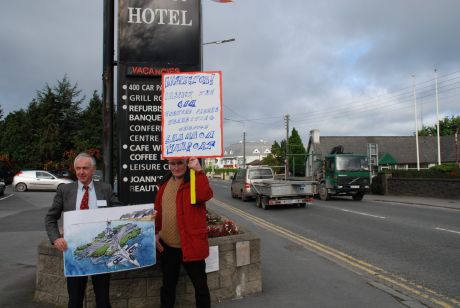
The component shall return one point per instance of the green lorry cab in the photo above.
(343, 174)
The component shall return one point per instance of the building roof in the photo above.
(401, 148)
(253, 148)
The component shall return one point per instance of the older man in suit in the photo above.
(81, 195)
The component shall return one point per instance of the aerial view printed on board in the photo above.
(109, 240)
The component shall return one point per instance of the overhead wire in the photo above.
(395, 101)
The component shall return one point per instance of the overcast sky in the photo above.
(341, 66)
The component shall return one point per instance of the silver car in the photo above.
(37, 180)
(241, 186)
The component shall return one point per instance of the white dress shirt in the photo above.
(92, 201)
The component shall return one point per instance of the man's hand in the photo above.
(194, 163)
(60, 244)
(158, 244)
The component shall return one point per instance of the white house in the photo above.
(234, 154)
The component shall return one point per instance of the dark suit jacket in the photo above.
(65, 200)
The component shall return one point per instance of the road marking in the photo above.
(356, 265)
(447, 230)
(361, 213)
(6, 197)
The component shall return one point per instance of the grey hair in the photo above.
(85, 155)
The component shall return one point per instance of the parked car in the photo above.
(62, 173)
(98, 175)
(2, 187)
(242, 181)
(37, 180)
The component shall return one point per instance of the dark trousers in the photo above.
(76, 287)
(171, 259)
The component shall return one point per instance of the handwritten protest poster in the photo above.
(192, 115)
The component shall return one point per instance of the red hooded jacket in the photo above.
(191, 218)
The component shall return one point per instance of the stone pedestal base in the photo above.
(239, 275)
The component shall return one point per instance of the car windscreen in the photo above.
(260, 174)
(352, 163)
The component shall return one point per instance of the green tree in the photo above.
(278, 152)
(447, 127)
(57, 119)
(17, 140)
(41, 135)
(90, 133)
(1, 112)
(271, 160)
(297, 154)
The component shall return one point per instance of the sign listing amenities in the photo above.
(155, 37)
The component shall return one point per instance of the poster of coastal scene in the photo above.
(109, 240)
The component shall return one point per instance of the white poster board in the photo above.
(109, 240)
(212, 261)
(192, 115)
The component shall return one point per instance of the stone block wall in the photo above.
(141, 288)
(435, 188)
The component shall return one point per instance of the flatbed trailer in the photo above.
(278, 192)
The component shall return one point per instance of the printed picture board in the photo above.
(109, 240)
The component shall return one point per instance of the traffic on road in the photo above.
(409, 247)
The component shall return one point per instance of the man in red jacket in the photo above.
(181, 230)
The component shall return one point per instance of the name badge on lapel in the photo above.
(101, 203)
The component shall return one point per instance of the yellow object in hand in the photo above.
(192, 187)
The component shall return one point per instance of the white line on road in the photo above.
(6, 197)
(447, 230)
(365, 214)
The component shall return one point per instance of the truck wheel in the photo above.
(259, 201)
(323, 194)
(358, 197)
(264, 203)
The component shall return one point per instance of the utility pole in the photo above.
(286, 172)
(416, 124)
(437, 114)
(456, 146)
(244, 150)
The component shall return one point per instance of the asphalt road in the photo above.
(21, 229)
(420, 244)
(415, 243)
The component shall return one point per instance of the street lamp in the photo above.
(437, 115)
(219, 42)
(456, 145)
(416, 125)
(202, 62)
(244, 139)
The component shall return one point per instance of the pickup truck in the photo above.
(260, 183)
